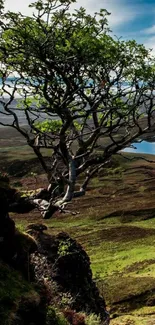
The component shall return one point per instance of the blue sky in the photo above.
(131, 19)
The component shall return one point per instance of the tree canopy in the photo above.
(69, 72)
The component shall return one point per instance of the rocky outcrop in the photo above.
(14, 246)
(7, 229)
(61, 260)
(57, 263)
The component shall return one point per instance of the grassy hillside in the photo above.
(115, 224)
(14, 290)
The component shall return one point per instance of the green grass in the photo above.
(116, 226)
(123, 268)
(12, 288)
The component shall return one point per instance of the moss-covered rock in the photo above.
(60, 259)
(18, 299)
(54, 317)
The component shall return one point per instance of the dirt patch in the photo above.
(143, 213)
(25, 218)
(34, 182)
(139, 265)
(125, 234)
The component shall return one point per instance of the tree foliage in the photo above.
(70, 74)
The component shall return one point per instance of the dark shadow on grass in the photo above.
(125, 234)
(19, 168)
(126, 294)
(132, 215)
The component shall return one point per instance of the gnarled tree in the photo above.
(69, 73)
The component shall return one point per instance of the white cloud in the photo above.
(19, 6)
(150, 44)
(149, 31)
(149, 38)
(121, 12)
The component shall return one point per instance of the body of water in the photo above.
(146, 147)
(8, 119)
(142, 147)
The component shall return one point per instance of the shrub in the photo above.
(4, 178)
(55, 318)
(74, 318)
(92, 319)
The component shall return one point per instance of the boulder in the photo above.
(61, 260)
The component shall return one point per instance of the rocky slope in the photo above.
(40, 273)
